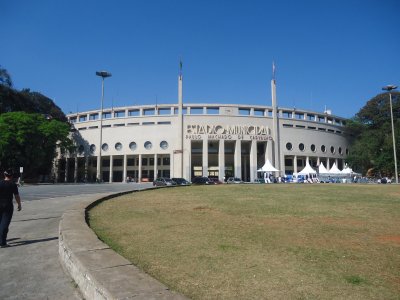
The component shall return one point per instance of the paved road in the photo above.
(36, 192)
(30, 269)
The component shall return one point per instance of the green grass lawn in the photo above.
(282, 241)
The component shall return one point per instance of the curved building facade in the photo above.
(188, 140)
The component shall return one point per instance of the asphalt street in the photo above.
(36, 192)
(30, 268)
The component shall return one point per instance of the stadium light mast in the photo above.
(103, 75)
(389, 88)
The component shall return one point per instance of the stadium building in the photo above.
(188, 140)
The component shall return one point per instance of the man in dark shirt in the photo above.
(8, 190)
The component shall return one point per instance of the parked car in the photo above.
(214, 180)
(259, 180)
(162, 181)
(201, 180)
(181, 181)
(234, 180)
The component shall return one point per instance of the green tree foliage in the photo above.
(371, 135)
(5, 78)
(31, 128)
(30, 140)
(25, 100)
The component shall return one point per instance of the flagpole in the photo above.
(273, 70)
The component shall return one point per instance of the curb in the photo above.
(98, 271)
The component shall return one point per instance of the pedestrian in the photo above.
(8, 190)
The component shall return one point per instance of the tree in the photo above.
(30, 141)
(31, 129)
(370, 132)
(25, 100)
(5, 77)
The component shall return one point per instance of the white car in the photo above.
(234, 180)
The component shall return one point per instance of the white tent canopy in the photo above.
(322, 169)
(268, 167)
(307, 170)
(334, 169)
(347, 170)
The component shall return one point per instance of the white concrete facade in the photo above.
(218, 140)
(188, 140)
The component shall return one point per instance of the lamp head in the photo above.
(103, 74)
(389, 88)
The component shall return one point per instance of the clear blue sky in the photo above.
(337, 53)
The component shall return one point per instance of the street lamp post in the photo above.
(102, 74)
(389, 88)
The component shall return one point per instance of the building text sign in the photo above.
(227, 132)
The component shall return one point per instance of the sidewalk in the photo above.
(31, 268)
(99, 272)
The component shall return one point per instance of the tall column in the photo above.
(328, 164)
(140, 169)
(125, 173)
(86, 168)
(57, 170)
(275, 124)
(244, 169)
(205, 158)
(98, 173)
(238, 159)
(295, 164)
(178, 169)
(66, 169)
(174, 164)
(155, 166)
(111, 168)
(336, 161)
(188, 162)
(76, 170)
(253, 160)
(221, 160)
(318, 161)
(283, 166)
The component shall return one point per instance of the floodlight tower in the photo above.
(389, 88)
(103, 75)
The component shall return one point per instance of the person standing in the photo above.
(8, 190)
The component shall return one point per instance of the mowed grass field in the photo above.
(279, 241)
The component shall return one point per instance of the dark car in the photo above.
(162, 181)
(213, 180)
(181, 181)
(201, 180)
(259, 180)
